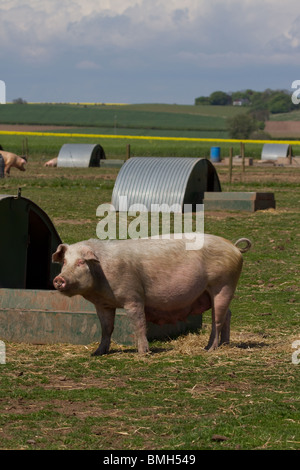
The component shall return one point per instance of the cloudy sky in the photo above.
(134, 51)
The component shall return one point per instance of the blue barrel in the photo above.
(215, 154)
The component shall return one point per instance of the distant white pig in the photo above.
(52, 162)
(155, 280)
(13, 160)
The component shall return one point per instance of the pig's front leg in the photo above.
(107, 319)
(7, 170)
(136, 313)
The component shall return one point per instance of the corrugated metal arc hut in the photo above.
(27, 240)
(274, 151)
(80, 155)
(169, 180)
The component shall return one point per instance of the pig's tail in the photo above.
(244, 248)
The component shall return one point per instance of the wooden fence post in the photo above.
(243, 158)
(230, 164)
(25, 150)
(127, 151)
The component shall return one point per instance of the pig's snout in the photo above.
(59, 283)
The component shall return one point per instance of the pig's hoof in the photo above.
(210, 348)
(144, 352)
(99, 352)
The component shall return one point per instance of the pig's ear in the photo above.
(88, 254)
(59, 255)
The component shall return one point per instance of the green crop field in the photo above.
(108, 116)
(242, 396)
(147, 115)
(172, 120)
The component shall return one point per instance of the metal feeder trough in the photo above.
(47, 317)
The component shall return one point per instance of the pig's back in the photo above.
(162, 259)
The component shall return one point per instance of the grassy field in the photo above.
(292, 116)
(42, 148)
(242, 396)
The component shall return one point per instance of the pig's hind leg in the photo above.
(225, 332)
(107, 318)
(220, 319)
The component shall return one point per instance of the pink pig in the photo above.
(13, 160)
(155, 280)
(52, 162)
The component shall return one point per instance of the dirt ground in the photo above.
(265, 172)
(283, 128)
(30, 128)
(190, 344)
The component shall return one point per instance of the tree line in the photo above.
(260, 105)
(268, 101)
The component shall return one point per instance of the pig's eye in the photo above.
(80, 262)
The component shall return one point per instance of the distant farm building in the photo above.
(241, 102)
